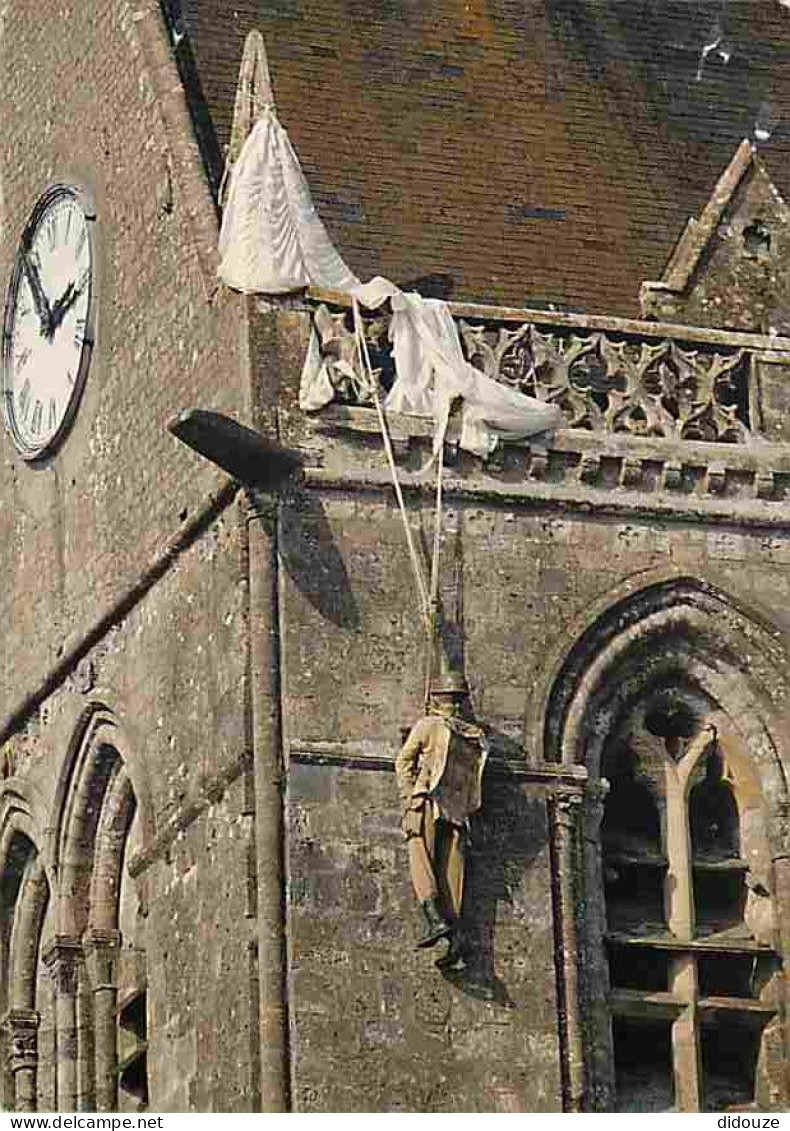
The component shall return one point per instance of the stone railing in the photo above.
(606, 375)
(649, 407)
(608, 383)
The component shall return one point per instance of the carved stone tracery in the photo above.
(603, 382)
(340, 354)
(606, 385)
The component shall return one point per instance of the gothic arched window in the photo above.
(691, 938)
(24, 898)
(72, 962)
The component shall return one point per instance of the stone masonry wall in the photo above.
(529, 581)
(124, 548)
(174, 673)
(740, 281)
(375, 1025)
(78, 530)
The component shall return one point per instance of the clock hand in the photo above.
(40, 300)
(61, 306)
(66, 301)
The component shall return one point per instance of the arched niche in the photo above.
(101, 789)
(98, 915)
(24, 900)
(99, 724)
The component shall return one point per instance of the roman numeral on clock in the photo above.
(79, 332)
(52, 418)
(38, 413)
(51, 230)
(24, 399)
(21, 359)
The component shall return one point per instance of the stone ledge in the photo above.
(710, 507)
(406, 426)
(381, 756)
(687, 471)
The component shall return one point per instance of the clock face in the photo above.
(48, 331)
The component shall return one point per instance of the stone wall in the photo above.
(74, 533)
(123, 554)
(126, 566)
(727, 268)
(541, 551)
(376, 1027)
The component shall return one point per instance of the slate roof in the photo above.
(510, 151)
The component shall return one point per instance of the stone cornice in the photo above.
(763, 510)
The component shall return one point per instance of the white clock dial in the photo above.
(48, 332)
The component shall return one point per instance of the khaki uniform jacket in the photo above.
(442, 760)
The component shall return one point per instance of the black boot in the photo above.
(456, 956)
(438, 927)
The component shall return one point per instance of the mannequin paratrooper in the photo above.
(439, 772)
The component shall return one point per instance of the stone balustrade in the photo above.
(649, 408)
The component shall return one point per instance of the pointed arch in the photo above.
(24, 893)
(96, 806)
(89, 758)
(677, 629)
(21, 810)
(24, 901)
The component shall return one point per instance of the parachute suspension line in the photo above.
(437, 535)
(434, 594)
(419, 577)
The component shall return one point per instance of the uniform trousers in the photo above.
(436, 860)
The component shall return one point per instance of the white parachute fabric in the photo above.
(272, 240)
(316, 390)
(432, 374)
(253, 94)
(329, 367)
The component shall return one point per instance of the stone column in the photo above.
(269, 817)
(779, 829)
(685, 1035)
(101, 954)
(600, 1085)
(47, 1047)
(22, 1028)
(565, 811)
(679, 902)
(779, 840)
(63, 957)
(679, 892)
